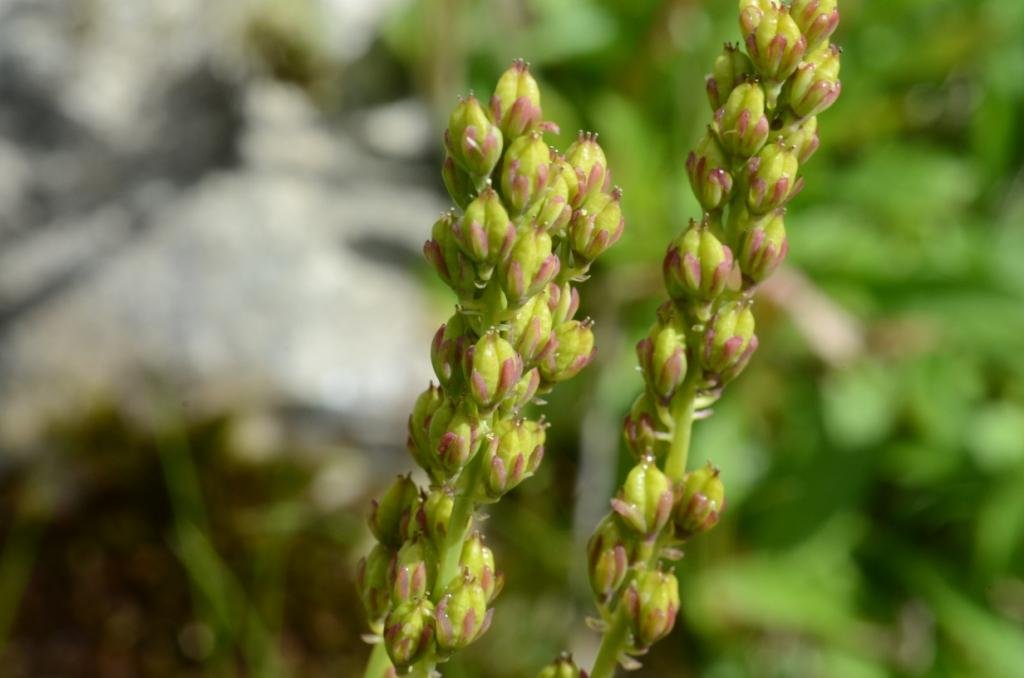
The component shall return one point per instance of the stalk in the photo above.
(612, 645)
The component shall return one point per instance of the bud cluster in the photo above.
(529, 223)
(765, 95)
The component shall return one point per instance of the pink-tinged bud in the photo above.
(492, 369)
(643, 429)
(560, 168)
(461, 616)
(460, 185)
(392, 516)
(645, 500)
(563, 667)
(588, 161)
(447, 351)
(409, 632)
(530, 328)
(662, 358)
(569, 350)
(742, 124)
(701, 499)
(551, 211)
(803, 138)
(729, 341)
(731, 68)
(435, 514)
(523, 393)
(652, 603)
(484, 233)
(412, 572)
(442, 252)
(516, 101)
(454, 437)
(773, 39)
(564, 301)
(478, 561)
(610, 552)
(707, 168)
(373, 580)
(763, 247)
(513, 456)
(772, 178)
(596, 225)
(529, 268)
(423, 411)
(817, 19)
(473, 140)
(815, 86)
(697, 265)
(525, 171)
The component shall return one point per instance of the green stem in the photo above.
(611, 646)
(379, 663)
(679, 450)
(459, 524)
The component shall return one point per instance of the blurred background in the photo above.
(214, 317)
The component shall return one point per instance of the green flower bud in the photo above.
(460, 185)
(373, 581)
(597, 225)
(523, 393)
(652, 602)
(472, 139)
(484, 233)
(454, 437)
(742, 124)
(588, 161)
(435, 514)
(391, 517)
(803, 138)
(645, 500)
(524, 174)
(492, 368)
(707, 168)
(412, 572)
(461, 616)
(563, 667)
(443, 252)
(662, 358)
(530, 328)
(564, 301)
(551, 211)
(515, 452)
(772, 177)
(447, 350)
(516, 101)
(409, 632)
(530, 266)
(729, 340)
(815, 86)
(609, 553)
(817, 19)
(569, 350)
(773, 39)
(701, 500)
(643, 429)
(731, 68)
(763, 247)
(560, 167)
(697, 265)
(478, 561)
(423, 411)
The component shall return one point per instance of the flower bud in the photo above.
(454, 436)
(524, 174)
(772, 176)
(423, 411)
(564, 301)
(492, 368)
(742, 124)
(803, 138)
(472, 139)
(815, 86)
(460, 185)
(551, 211)
(645, 500)
(413, 570)
(701, 499)
(662, 358)
(523, 392)
(408, 632)
(652, 602)
(697, 265)
(731, 68)
(763, 247)
(391, 517)
(642, 427)
(514, 454)
(435, 514)
(560, 167)
(443, 253)
(484, 233)
(569, 350)
(530, 328)
(563, 667)
(447, 350)
(478, 561)
(461, 616)
(609, 553)
(773, 39)
(587, 158)
(817, 19)
(530, 266)
(597, 225)
(516, 101)
(709, 177)
(373, 580)
(729, 340)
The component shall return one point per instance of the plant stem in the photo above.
(679, 450)
(379, 663)
(462, 510)
(611, 646)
